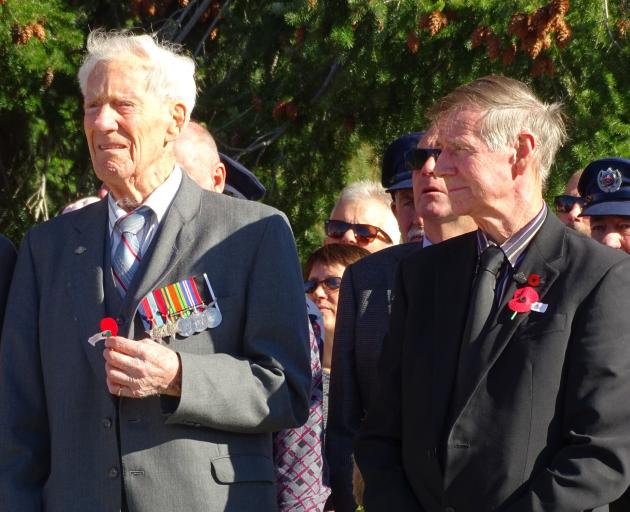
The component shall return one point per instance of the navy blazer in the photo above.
(543, 424)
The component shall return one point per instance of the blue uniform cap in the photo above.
(240, 181)
(395, 174)
(605, 186)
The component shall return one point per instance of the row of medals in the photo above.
(196, 322)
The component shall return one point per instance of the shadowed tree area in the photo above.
(297, 89)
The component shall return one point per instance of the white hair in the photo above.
(362, 191)
(171, 74)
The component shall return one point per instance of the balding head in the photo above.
(196, 153)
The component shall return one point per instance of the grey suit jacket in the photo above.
(542, 419)
(362, 320)
(68, 445)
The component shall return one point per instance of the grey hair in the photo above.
(171, 74)
(364, 190)
(509, 107)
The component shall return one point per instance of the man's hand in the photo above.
(142, 368)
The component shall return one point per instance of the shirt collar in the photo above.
(515, 246)
(159, 200)
(426, 242)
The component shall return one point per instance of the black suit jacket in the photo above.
(361, 325)
(8, 256)
(544, 423)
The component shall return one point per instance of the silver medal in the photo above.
(185, 327)
(212, 317)
(198, 322)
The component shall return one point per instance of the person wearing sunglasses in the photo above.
(364, 302)
(362, 216)
(569, 206)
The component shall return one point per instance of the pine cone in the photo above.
(541, 20)
(413, 42)
(48, 78)
(278, 109)
(183, 3)
(508, 55)
(214, 34)
(2, 2)
(312, 3)
(436, 22)
(559, 7)
(622, 27)
(538, 67)
(38, 31)
(479, 35)
(299, 35)
(563, 34)
(546, 41)
(25, 34)
(494, 47)
(518, 25)
(291, 111)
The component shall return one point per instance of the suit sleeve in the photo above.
(345, 410)
(378, 449)
(24, 449)
(265, 388)
(593, 467)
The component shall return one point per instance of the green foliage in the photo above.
(305, 92)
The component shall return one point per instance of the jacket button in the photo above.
(112, 473)
(106, 422)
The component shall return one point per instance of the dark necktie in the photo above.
(483, 292)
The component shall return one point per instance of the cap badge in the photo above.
(609, 180)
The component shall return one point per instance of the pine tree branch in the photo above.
(193, 21)
(610, 33)
(214, 23)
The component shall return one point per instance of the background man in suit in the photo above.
(7, 262)
(197, 154)
(183, 421)
(485, 404)
(364, 303)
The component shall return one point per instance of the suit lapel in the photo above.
(452, 291)
(543, 257)
(86, 268)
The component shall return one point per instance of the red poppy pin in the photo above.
(526, 299)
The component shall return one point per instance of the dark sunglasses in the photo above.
(565, 203)
(415, 158)
(330, 284)
(364, 233)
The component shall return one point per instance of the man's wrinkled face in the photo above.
(612, 230)
(404, 209)
(125, 125)
(478, 178)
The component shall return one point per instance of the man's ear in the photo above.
(524, 153)
(218, 177)
(178, 122)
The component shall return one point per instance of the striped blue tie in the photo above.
(127, 254)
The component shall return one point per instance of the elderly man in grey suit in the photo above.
(182, 421)
(365, 298)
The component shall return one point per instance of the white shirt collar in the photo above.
(159, 200)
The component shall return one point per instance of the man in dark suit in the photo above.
(365, 298)
(181, 421)
(7, 262)
(515, 400)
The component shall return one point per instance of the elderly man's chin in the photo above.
(415, 234)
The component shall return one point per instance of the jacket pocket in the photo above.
(539, 325)
(231, 469)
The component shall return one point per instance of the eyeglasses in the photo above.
(416, 158)
(564, 203)
(364, 233)
(330, 284)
